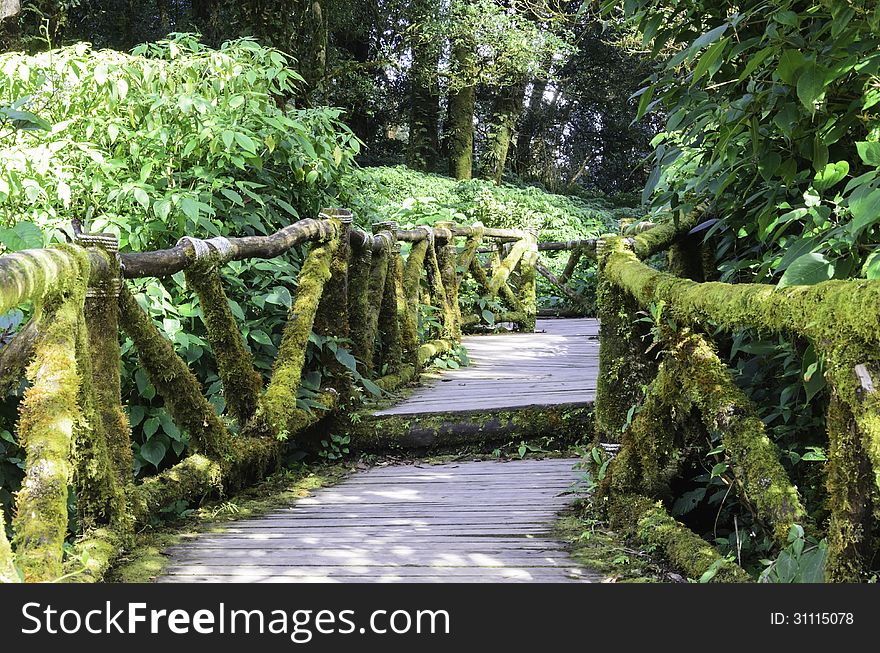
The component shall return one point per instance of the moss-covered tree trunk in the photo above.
(460, 111)
(506, 110)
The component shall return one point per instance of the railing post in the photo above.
(391, 356)
(527, 295)
(624, 365)
(332, 317)
(104, 454)
(447, 259)
(359, 298)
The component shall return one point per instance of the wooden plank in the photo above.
(482, 521)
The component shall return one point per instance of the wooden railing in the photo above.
(73, 427)
(690, 392)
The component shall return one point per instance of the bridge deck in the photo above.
(557, 364)
(468, 522)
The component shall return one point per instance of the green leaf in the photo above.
(23, 235)
(811, 85)
(245, 142)
(830, 175)
(261, 337)
(153, 452)
(719, 469)
(869, 151)
(644, 101)
(150, 427)
(790, 63)
(488, 316)
(190, 208)
(162, 208)
(807, 270)
(141, 197)
(709, 37)
(864, 204)
(709, 58)
(346, 359)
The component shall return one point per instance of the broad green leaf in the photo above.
(790, 63)
(141, 197)
(871, 269)
(709, 37)
(23, 235)
(864, 204)
(644, 101)
(345, 358)
(245, 142)
(807, 270)
(830, 175)
(811, 85)
(153, 451)
(869, 151)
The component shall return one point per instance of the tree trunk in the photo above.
(315, 69)
(424, 144)
(506, 110)
(529, 127)
(460, 118)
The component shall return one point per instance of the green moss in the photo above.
(359, 305)
(624, 365)
(378, 274)
(438, 296)
(503, 271)
(566, 422)
(430, 350)
(446, 257)
(93, 555)
(194, 477)
(665, 235)
(851, 497)
(242, 384)
(528, 289)
(471, 245)
(174, 381)
(650, 524)
(331, 320)
(33, 274)
(410, 286)
(279, 401)
(391, 354)
(49, 413)
(401, 377)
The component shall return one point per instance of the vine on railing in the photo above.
(352, 285)
(839, 318)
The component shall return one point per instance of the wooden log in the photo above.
(437, 292)
(165, 262)
(446, 261)
(278, 404)
(504, 270)
(173, 380)
(586, 246)
(391, 353)
(359, 271)
(568, 292)
(48, 416)
(331, 319)
(571, 264)
(242, 383)
(567, 423)
(411, 285)
(378, 272)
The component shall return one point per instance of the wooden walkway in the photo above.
(462, 522)
(466, 522)
(557, 364)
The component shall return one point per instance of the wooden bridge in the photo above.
(664, 403)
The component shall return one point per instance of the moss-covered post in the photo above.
(624, 366)
(412, 284)
(447, 260)
(49, 414)
(391, 354)
(851, 495)
(527, 294)
(331, 320)
(173, 380)
(242, 384)
(359, 303)
(378, 273)
(436, 291)
(102, 443)
(278, 405)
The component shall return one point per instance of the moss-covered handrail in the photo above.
(352, 285)
(841, 319)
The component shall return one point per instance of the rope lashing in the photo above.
(204, 248)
